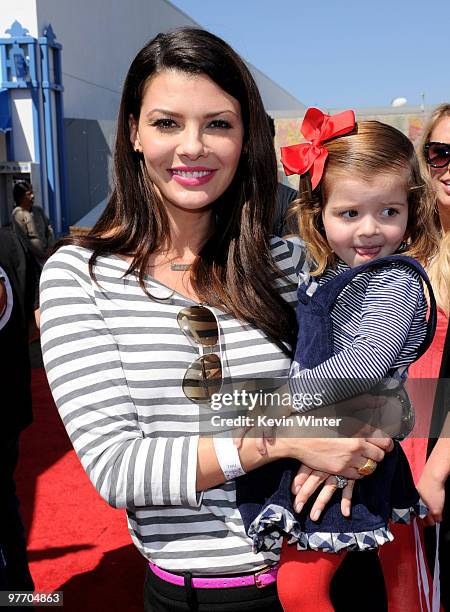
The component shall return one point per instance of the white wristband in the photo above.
(228, 456)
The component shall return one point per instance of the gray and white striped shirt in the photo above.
(115, 360)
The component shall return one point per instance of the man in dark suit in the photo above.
(18, 301)
(283, 223)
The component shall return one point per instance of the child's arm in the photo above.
(431, 485)
(393, 323)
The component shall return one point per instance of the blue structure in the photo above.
(53, 106)
(34, 65)
(5, 112)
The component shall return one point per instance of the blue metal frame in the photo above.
(9, 147)
(52, 91)
(21, 45)
(19, 57)
(15, 46)
(48, 131)
(59, 106)
(8, 131)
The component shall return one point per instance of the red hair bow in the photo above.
(310, 157)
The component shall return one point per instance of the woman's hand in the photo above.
(342, 456)
(306, 483)
(263, 429)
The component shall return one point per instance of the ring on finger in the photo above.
(369, 467)
(341, 482)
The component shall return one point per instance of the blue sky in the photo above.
(339, 53)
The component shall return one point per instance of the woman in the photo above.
(408, 581)
(434, 484)
(433, 481)
(130, 345)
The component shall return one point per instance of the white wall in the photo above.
(100, 38)
(22, 120)
(23, 11)
(274, 97)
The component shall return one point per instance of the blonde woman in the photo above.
(432, 483)
(408, 576)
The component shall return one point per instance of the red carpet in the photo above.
(76, 542)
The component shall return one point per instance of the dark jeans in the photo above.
(161, 596)
(14, 572)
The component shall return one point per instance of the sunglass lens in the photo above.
(438, 154)
(203, 378)
(199, 324)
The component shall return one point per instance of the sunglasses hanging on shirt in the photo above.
(203, 378)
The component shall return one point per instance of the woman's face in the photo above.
(440, 177)
(190, 132)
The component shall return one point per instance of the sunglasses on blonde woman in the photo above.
(203, 377)
(437, 154)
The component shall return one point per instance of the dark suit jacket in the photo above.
(15, 373)
(283, 224)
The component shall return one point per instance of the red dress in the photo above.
(402, 582)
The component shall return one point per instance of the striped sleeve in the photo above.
(393, 322)
(87, 380)
(290, 255)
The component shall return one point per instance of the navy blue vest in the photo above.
(315, 325)
(271, 484)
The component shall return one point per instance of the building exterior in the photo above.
(99, 38)
(408, 119)
(62, 66)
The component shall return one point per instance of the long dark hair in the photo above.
(234, 267)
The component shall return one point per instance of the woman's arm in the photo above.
(333, 456)
(87, 379)
(431, 485)
(90, 389)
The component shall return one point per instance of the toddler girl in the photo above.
(362, 322)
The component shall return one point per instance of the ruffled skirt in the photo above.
(386, 495)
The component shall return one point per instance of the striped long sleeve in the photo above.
(88, 383)
(115, 360)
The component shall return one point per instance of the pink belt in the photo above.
(262, 578)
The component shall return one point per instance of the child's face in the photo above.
(366, 220)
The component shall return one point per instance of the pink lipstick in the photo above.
(191, 176)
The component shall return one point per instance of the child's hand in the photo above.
(432, 491)
(306, 483)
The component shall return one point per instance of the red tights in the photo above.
(304, 579)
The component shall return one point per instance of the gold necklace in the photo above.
(180, 267)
